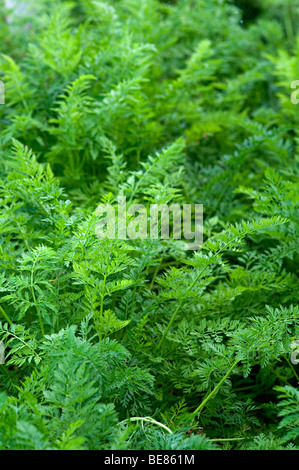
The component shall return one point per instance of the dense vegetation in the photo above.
(122, 344)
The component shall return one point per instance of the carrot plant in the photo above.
(142, 344)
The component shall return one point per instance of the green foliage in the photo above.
(141, 344)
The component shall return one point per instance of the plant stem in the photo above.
(293, 370)
(36, 304)
(154, 276)
(228, 439)
(150, 420)
(103, 292)
(213, 258)
(181, 302)
(5, 316)
(203, 404)
(288, 21)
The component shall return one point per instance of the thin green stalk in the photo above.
(133, 300)
(154, 276)
(171, 322)
(36, 305)
(293, 370)
(24, 342)
(5, 316)
(228, 439)
(180, 304)
(288, 21)
(208, 398)
(149, 420)
(103, 293)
